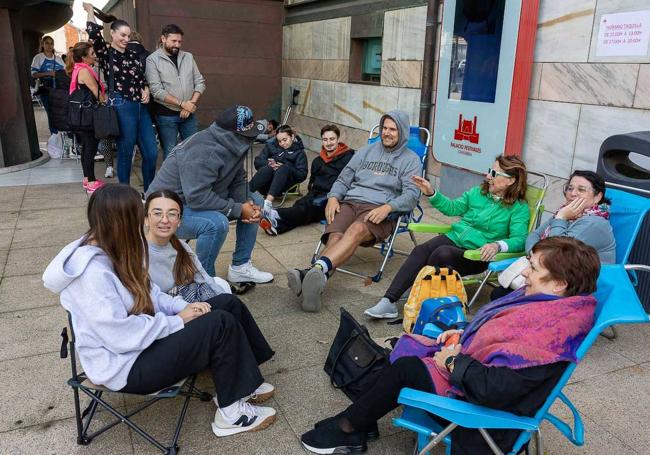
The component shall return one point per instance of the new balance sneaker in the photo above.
(262, 393)
(384, 309)
(270, 223)
(246, 417)
(248, 272)
(94, 186)
(372, 432)
(313, 286)
(109, 172)
(267, 208)
(329, 438)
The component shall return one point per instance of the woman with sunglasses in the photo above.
(133, 338)
(494, 218)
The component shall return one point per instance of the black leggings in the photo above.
(438, 251)
(89, 149)
(273, 182)
(226, 340)
(302, 212)
(381, 398)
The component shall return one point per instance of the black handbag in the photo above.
(81, 108)
(354, 360)
(105, 116)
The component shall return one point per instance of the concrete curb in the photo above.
(44, 158)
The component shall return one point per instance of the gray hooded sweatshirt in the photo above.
(379, 175)
(207, 171)
(108, 338)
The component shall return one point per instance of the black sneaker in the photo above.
(329, 438)
(372, 432)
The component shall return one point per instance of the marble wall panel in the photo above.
(564, 30)
(326, 70)
(589, 83)
(642, 96)
(408, 100)
(616, 6)
(535, 80)
(320, 101)
(335, 70)
(333, 40)
(401, 73)
(550, 137)
(377, 100)
(404, 31)
(348, 105)
(597, 123)
(301, 84)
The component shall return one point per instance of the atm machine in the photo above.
(484, 73)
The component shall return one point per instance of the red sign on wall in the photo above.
(466, 130)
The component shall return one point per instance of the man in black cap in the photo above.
(207, 172)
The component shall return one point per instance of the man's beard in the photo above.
(171, 50)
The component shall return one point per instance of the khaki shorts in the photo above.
(356, 211)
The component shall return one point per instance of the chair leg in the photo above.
(609, 336)
(413, 239)
(181, 417)
(538, 442)
(81, 439)
(439, 437)
(480, 288)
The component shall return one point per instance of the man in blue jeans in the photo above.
(207, 172)
(176, 86)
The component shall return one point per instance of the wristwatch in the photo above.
(449, 363)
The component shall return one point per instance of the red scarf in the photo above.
(75, 73)
(340, 150)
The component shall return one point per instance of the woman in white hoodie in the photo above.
(130, 336)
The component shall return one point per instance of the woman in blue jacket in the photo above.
(281, 165)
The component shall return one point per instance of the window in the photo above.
(365, 60)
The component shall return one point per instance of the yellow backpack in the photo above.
(432, 282)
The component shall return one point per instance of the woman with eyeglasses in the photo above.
(133, 338)
(280, 165)
(494, 218)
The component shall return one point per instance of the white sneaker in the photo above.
(267, 209)
(248, 417)
(270, 223)
(109, 172)
(384, 309)
(248, 272)
(261, 394)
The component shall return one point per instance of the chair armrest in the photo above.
(500, 266)
(465, 414)
(576, 434)
(430, 228)
(475, 255)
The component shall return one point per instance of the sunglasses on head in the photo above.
(493, 173)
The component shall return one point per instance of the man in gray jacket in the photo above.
(176, 86)
(375, 183)
(207, 172)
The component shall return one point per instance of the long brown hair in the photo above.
(516, 168)
(116, 219)
(184, 269)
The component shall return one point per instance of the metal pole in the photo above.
(426, 91)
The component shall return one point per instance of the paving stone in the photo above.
(268, 300)
(48, 235)
(64, 200)
(600, 359)
(55, 191)
(34, 391)
(10, 201)
(25, 292)
(303, 234)
(8, 219)
(60, 437)
(31, 332)
(628, 342)
(3, 261)
(28, 261)
(48, 218)
(6, 236)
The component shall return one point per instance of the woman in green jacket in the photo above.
(494, 218)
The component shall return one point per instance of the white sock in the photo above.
(323, 265)
(230, 413)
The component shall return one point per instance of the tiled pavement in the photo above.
(611, 387)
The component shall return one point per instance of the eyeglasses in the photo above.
(158, 215)
(493, 173)
(580, 189)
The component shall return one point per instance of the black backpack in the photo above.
(59, 102)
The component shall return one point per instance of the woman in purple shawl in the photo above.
(509, 357)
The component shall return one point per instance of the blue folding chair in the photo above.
(403, 219)
(618, 303)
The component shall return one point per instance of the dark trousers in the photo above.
(226, 340)
(439, 251)
(381, 398)
(89, 149)
(273, 182)
(304, 211)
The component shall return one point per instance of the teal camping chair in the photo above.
(420, 147)
(618, 303)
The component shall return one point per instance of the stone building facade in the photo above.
(576, 99)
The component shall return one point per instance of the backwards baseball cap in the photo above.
(239, 119)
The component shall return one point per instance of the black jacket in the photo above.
(323, 175)
(294, 156)
(140, 51)
(59, 99)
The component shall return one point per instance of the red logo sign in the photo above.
(466, 130)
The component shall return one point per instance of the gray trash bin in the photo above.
(624, 162)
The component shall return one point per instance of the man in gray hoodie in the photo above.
(207, 172)
(375, 183)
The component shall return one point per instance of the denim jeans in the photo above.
(45, 101)
(210, 229)
(169, 126)
(135, 127)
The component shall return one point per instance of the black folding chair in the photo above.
(80, 382)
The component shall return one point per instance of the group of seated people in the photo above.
(148, 311)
